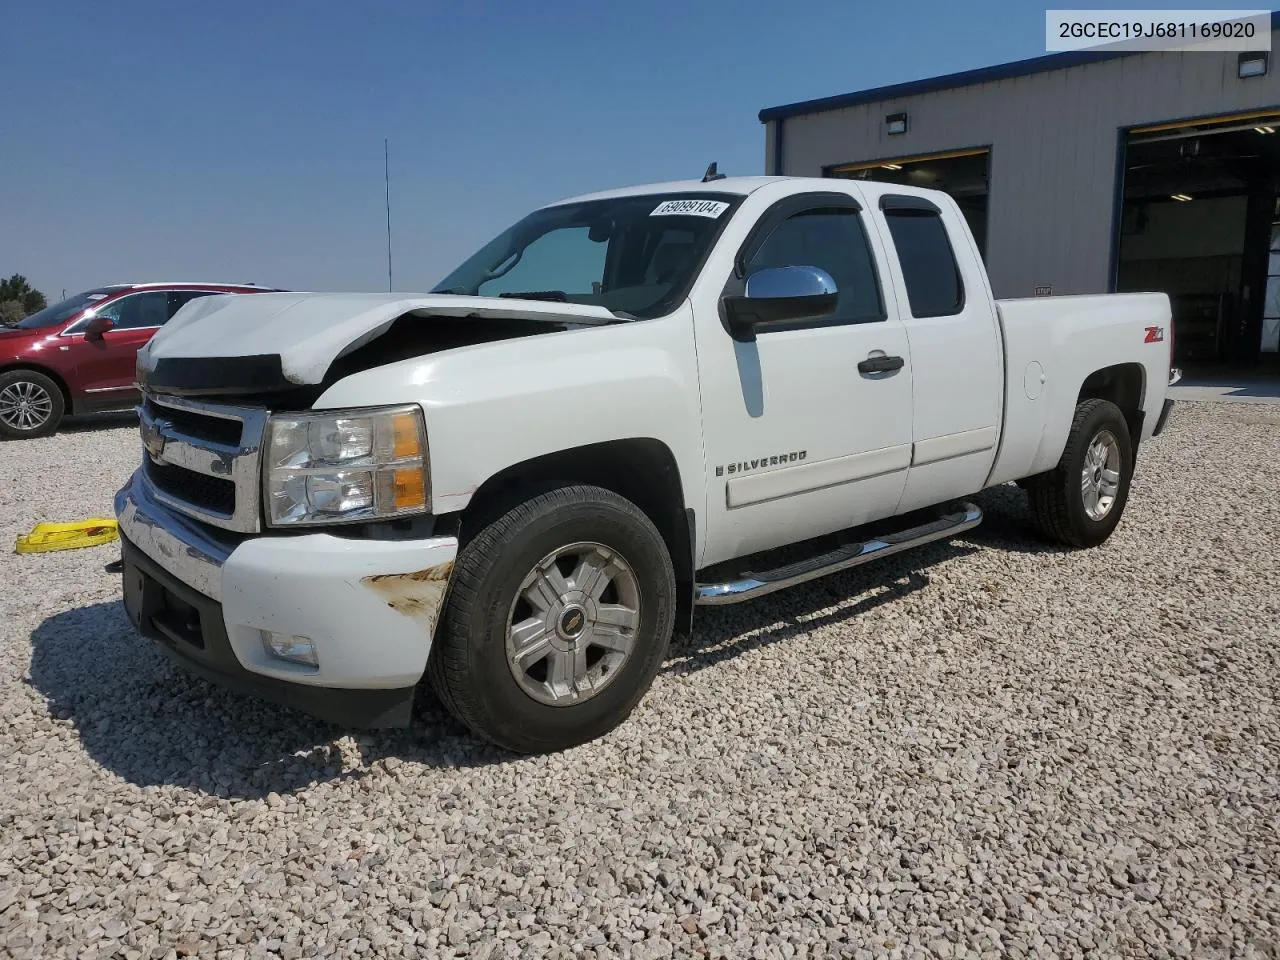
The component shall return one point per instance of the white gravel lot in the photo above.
(984, 748)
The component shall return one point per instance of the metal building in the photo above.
(1088, 172)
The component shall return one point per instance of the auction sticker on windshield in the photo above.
(690, 208)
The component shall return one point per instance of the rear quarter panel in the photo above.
(1052, 345)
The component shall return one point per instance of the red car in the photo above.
(78, 356)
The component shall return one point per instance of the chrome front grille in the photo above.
(202, 459)
(210, 494)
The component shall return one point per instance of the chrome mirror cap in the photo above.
(776, 283)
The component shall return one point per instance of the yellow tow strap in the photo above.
(45, 537)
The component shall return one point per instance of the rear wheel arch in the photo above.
(1123, 384)
(641, 469)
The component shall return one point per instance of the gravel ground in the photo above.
(983, 748)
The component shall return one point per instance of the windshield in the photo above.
(635, 256)
(64, 311)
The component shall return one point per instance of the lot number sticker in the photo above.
(690, 208)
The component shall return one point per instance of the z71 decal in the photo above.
(1154, 335)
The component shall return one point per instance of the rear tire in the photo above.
(558, 618)
(31, 405)
(1080, 501)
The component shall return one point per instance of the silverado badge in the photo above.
(745, 466)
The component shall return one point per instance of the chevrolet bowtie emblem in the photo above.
(153, 438)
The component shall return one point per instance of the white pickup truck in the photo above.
(518, 485)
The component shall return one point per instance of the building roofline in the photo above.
(965, 78)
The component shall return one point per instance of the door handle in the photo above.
(880, 364)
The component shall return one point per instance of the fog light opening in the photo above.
(291, 649)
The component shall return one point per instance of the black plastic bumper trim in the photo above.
(214, 376)
(189, 628)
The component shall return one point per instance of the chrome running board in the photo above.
(751, 585)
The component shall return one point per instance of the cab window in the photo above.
(832, 239)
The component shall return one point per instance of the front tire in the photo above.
(31, 405)
(559, 615)
(1080, 501)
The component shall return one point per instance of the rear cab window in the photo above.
(930, 270)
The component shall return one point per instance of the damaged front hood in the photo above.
(297, 337)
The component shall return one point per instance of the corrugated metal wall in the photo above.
(1053, 139)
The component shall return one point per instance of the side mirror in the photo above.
(95, 328)
(779, 295)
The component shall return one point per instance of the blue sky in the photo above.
(243, 141)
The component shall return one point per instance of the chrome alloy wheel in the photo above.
(573, 624)
(25, 405)
(1100, 478)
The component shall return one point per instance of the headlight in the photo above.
(345, 466)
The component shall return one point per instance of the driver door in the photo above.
(799, 441)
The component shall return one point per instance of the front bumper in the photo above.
(369, 606)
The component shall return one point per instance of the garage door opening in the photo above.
(1200, 221)
(965, 174)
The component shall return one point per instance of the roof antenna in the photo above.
(711, 173)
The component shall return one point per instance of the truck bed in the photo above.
(1052, 345)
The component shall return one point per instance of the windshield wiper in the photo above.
(555, 296)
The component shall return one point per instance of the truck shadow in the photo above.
(150, 723)
(147, 721)
(721, 633)
(1006, 523)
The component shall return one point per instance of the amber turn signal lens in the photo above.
(407, 442)
(410, 488)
